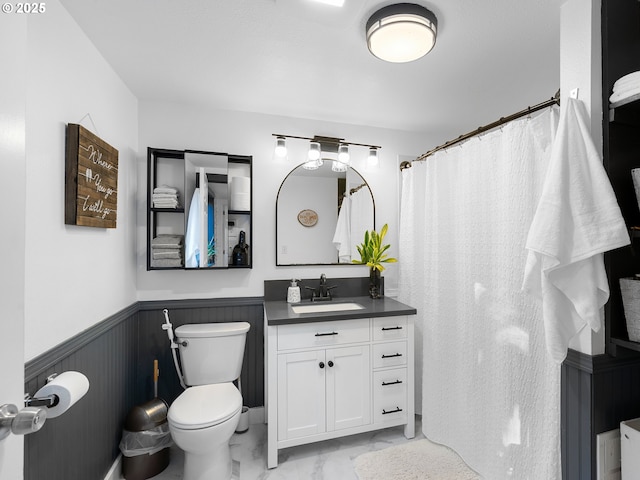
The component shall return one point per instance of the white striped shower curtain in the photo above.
(489, 389)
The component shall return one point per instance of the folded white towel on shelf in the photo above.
(166, 204)
(164, 195)
(630, 80)
(576, 221)
(167, 241)
(167, 262)
(165, 189)
(166, 252)
(624, 94)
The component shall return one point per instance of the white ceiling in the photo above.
(301, 59)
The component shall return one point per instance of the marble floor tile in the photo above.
(328, 460)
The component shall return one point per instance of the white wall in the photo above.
(581, 68)
(165, 125)
(75, 276)
(13, 50)
(306, 244)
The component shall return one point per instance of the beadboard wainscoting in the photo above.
(598, 392)
(117, 357)
(154, 342)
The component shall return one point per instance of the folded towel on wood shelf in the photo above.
(624, 94)
(630, 80)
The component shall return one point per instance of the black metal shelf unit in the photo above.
(168, 166)
(621, 150)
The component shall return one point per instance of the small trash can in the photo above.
(243, 423)
(145, 441)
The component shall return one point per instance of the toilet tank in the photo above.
(211, 352)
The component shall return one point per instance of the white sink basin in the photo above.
(326, 307)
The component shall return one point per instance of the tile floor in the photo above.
(328, 460)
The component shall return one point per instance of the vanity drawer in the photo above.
(389, 354)
(389, 328)
(319, 334)
(389, 395)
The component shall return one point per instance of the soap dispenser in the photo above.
(293, 293)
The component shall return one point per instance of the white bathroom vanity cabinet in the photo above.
(328, 378)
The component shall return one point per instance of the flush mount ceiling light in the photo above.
(334, 3)
(402, 32)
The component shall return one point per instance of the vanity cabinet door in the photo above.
(348, 387)
(301, 394)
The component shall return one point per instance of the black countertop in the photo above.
(279, 312)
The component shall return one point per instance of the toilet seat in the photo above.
(204, 406)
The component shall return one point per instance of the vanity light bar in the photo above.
(332, 141)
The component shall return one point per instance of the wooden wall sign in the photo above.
(308, 218)
(91, 180)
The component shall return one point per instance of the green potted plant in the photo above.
(372, 254)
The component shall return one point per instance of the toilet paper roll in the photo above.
(69, 387)
(240, 185)
(240, 201)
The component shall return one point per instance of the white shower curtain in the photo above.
(489, 389)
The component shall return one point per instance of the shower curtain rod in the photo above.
(355, 189)
(555, 100)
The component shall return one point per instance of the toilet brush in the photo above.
(156, 373)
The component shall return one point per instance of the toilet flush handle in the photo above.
(184, 343)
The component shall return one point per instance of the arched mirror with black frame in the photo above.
(321, 216)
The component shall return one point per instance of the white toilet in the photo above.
(203, 418)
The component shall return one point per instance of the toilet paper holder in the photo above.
(46, 401)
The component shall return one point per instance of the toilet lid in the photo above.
(204, 406)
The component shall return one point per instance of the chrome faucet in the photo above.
(323, 292)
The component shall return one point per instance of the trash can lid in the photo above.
(203, 406)
(146, 416)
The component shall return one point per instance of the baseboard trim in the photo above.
(114, 471)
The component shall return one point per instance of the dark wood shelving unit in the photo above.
(621, 150)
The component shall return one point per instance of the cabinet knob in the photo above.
(321, 364)
(330, 363)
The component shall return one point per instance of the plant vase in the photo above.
(375, 277)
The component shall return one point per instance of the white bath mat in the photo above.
(418, 460)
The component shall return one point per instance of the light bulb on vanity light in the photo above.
(343, 154)
(281, 147)
(314, 151)
(339, 166)
(372, 159)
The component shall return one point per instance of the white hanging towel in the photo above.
(342, 235)
(576, 221)
(194, 233)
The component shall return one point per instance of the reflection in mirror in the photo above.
(206, 201)
(321, 216)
